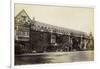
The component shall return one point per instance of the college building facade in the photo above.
(32, 36)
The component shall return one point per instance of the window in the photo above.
(53, 39)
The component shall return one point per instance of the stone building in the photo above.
(34, 36)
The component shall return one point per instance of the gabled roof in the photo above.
(48, 26)
(22, 15)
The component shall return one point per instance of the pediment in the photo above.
(22, 18)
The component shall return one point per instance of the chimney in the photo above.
(33, 19)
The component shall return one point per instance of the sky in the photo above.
(76, 18)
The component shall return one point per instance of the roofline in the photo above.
(25, 13)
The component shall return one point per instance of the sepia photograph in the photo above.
(47, 34)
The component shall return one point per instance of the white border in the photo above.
(12, 35)
(71, 3)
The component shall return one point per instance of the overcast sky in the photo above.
(76, 18)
